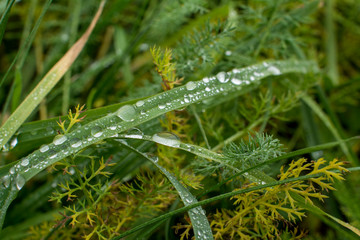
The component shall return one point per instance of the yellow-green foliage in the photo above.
(165, 68)
(258, 214)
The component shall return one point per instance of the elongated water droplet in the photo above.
(126, 113)
(166, 138)
(19, 181)
(6, 180)
(44, 148)
(52, 154)
(75, 142)
(161, 106)
(236, 81)
(96, 131)
(139, 103)
(190, 85)
(24, 162)
(274, 70)
(14, 142)
(59, 139)
(134, 133)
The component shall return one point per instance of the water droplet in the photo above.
(139, 103)
(228, 53)
(221, 76)
(59, 139)
(50, 130)
(72, 171)
(155, 159)
(44, 148)
(6, 147)
(19, 181)
(12, 170)
(52, 154)
(190, 85)
(24, 162)
(14, 142)
(236, 81)
(206, 80)
(166, 138)
(207, 89)
(126, 113)
(134, 133)
(161, 106)
(274, 70)
(96, 131)
(6, 180)
(75, 142)
(112, 128)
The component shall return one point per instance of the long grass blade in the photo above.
(127, 116)
(45, 85)
(197, 215)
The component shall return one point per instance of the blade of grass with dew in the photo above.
(197, 215)
(238, 80)
(224, 196)
(261, 178)
(45, 85)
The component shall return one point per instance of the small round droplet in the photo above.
(44, 148)
(12, 170)
(6, 180)
(139, 103)
(75, 142)
(96, 131)
(206, 80)
(221, 76)
(190, 85)
(207, 89)
(161, 106)
(59, 139)
(126, 113)
(167, 139)
(24, 162)
(19, 181)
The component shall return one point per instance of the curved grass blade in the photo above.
(46, 84)
(197, 215)
(128, 116)
(261, 178)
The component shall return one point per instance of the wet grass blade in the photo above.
(197, 215)
(45, 85)
(128, 116)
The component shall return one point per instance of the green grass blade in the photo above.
(4, 18)
(22, 53)
(328, 123)
(45, 85)
(239, 80)
(197, 215)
